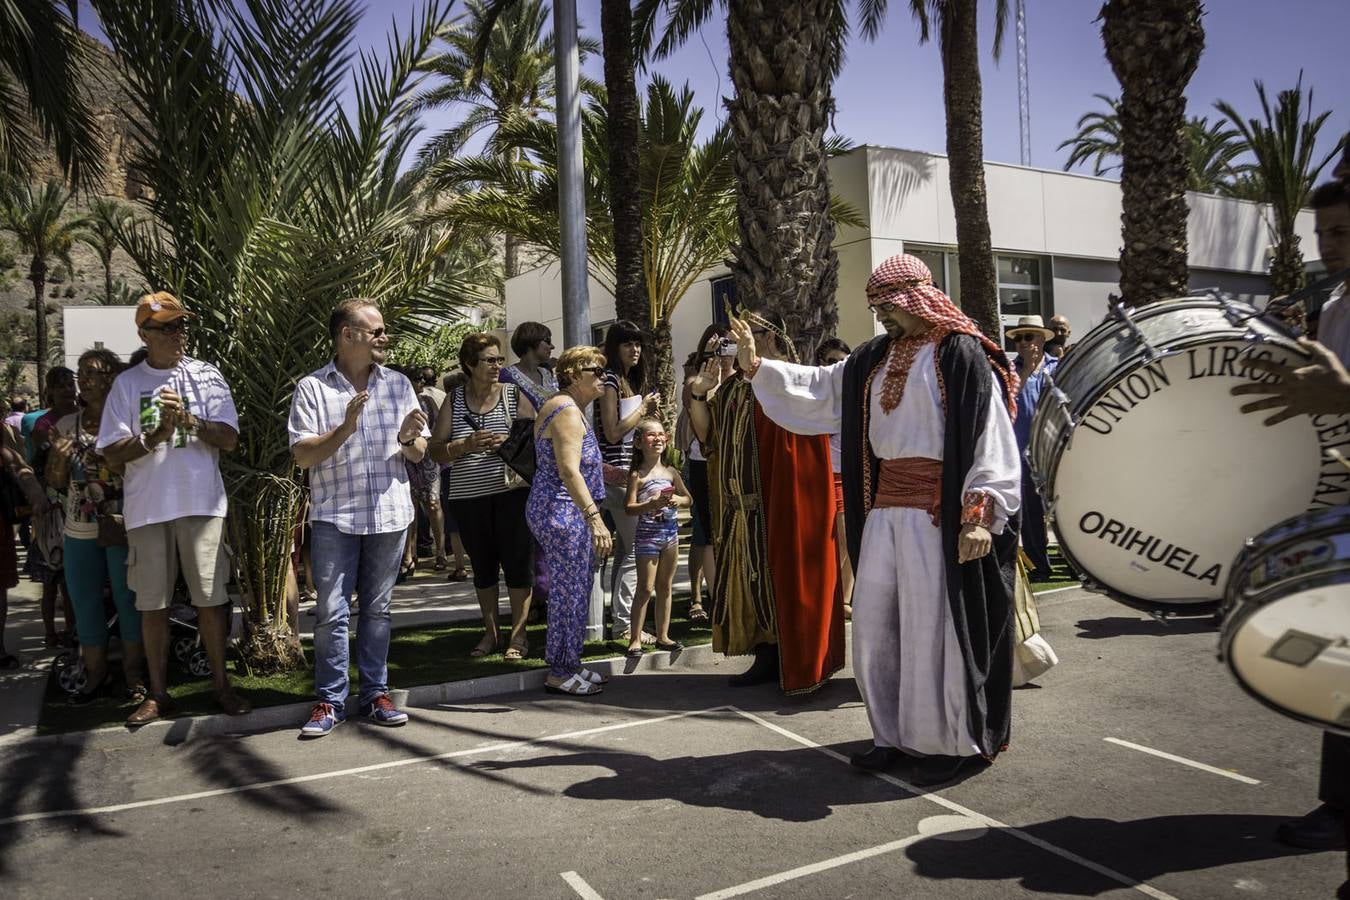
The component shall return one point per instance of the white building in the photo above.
(1056, 236)
(90, 327)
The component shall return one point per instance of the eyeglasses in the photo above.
(885, 308)
(492, 360)
(178, 326)
(1023, 338)
(655, 435)
(594, 370)
(757, 332)
(376, 333)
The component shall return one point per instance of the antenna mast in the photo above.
(1023, 87)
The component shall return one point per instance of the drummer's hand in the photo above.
(975, 543)
(1320, 387)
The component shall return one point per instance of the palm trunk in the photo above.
(511, 262)
(784, 258)
(37, 272)
(663, 369)
(625, 204)
(1287, 274)
(263, 510)
(962, 93)
(1153, 47)
(107, 280)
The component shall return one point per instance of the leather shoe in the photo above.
(232, 703)
(933, 770)
(1321, 829)
(150, 710)
(878, 759)
(764, 668)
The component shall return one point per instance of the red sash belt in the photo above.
(914, 482)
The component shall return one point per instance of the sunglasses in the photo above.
(1023, 338)
(377, 333)
(178, 326)
(594, 370)
(655, 435)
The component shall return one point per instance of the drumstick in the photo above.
(1338, 456)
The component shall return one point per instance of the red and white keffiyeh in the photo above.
(905, 280)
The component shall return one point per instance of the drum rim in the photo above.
(1227, 633)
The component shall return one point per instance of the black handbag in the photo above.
(517, 451)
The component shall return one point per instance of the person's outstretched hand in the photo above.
(1320, 386)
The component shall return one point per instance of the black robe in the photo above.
(980, 592)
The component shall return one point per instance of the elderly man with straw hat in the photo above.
(1034, 369)
(931, 494)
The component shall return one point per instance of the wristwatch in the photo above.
(193, 425)
(701, 398)
(408, 443)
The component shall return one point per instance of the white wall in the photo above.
(85, 327)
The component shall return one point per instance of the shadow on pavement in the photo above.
(750, 781)
(1143, 848)
(1120, 626)
(42, 779)
(230, 762)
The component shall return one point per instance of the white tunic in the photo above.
(906, 657)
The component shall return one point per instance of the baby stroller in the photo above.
(184, 642)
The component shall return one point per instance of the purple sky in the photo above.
(890, 90)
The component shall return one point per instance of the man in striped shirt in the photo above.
(352, 424)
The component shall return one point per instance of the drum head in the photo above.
(1291, 653)
(1164, 478)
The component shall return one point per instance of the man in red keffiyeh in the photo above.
(932, 487)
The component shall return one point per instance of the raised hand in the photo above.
(744, 336)
(707, 378)
(412, 426)
(354, 408)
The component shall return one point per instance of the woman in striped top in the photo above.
(483, 495)
(620, 407)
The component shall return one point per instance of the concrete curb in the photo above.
(293, 715)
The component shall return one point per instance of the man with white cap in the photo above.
(931, 493)
(1033, 369)
(167, 421)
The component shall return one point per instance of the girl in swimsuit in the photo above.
(654, 491)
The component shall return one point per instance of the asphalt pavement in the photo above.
(671, 784)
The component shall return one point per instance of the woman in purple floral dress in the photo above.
(563, 515)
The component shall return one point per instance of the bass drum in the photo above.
(1286, 628)
(1152, 475)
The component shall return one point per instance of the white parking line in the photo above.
(339, 773)
(801, 872)
(957, 808)
(578, 884)
(1183, 760)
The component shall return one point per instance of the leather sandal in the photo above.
(232, 703)
(517, 650)
(487, 646)
(593, 676)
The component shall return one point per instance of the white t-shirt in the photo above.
(180, 477)
(1333, 326)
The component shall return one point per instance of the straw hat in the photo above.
(1032, 324)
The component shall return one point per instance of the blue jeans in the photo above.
(368, 565)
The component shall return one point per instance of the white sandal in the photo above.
(593, 676)
(575, 685)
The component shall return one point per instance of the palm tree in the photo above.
(499, 67)
(37, 216)
(958, 43)
(42, 59)
(106, 220)
(1098, 139)
(783, 58)
(1153, 47)
(269, 210)
(1211, 150)
(685, 189)
(1284, 141)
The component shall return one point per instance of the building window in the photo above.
(723, 299)
(942, 262)
(1022, 283)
